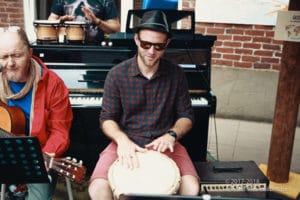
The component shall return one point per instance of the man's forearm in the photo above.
(182, 126)
(112, 130)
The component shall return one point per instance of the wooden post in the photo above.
(286, 110)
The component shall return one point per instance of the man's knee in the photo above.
(189, 185)
(100, 189)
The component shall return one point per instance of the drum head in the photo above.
(75, 23)
(157, 174)
(46, 22)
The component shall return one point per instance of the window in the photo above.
(40, 10)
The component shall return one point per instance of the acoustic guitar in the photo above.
(12, 124)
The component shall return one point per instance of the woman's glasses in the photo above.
(148, 45)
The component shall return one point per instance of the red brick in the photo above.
(262, 27)
(270, 34)
(243, 51)
(231, 57)
(261, 66)
(270, 60)
(252, 46)
(242, 64)
(262, 39)
(223, 62)
(224, 50)
(214, 31)
(232, 44)
(254, 32)
(224, 37)
(271, 47)
(216, 55)
(263, 53)
(242, 26)
(223, 25)
(235, 31)
(241, 38)
(250, 58)
(205, 24)
(218, 43)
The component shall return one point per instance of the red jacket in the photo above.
(51, 116)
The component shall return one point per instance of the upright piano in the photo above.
(84, 67)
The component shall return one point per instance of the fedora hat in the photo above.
(154, 20)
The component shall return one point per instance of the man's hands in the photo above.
(66, 18)
(162, 143)
(126, 152)
(90, 15)
(87, 12)
(127, 149)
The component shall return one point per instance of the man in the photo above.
(25, 82)
(146, 105)
(100, 15)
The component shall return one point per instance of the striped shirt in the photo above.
(143, 108)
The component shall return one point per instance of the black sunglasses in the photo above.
(148, 45)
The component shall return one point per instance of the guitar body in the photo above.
(12, 119)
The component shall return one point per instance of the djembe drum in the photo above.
(156, 174)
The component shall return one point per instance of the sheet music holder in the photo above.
(21, 161)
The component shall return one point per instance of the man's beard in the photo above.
(148, 63)
(14, 75)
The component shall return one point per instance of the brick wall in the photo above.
(243, 46)
(11, 13)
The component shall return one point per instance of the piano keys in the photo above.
(95, 101)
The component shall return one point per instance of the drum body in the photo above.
(46, 30)
(75, 31)
(156, 174)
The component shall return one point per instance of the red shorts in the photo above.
(109, 155)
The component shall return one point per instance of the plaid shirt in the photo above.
(145, 109)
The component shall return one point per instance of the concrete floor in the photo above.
(239, 140)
